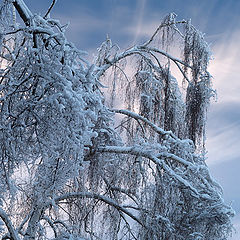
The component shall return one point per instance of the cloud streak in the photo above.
(225, 68)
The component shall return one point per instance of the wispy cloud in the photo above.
(139, 19)
(224, 120)
(224, 124)
(225, 68)
(224, 146)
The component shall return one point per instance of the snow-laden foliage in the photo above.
(112, 149)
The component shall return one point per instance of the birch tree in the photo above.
(112, 148)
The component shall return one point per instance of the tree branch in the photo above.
(8, 223)
(145, 120)
(63, 224)
(50, 8)
(138, 151)
(51, 224)
(107, 200)
(139, 50)
(23, 11)
(156, 50)
(162, 25)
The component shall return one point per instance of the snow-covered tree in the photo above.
(108, 149)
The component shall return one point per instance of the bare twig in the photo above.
(50, 8)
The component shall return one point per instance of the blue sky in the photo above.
(128, 21)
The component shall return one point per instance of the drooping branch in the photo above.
(145, 120)
(171, 23)
(104, 199)
(63, 224)
(164, 53)
(140, 152)
(24, 222)
(158, 159)
(140, 49)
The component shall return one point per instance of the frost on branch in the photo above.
(108, 149)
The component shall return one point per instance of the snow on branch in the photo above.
(170, 21)
(23, 11)
(139, 50)
(58, 122)
(145, 120)
(8, 223)
(51, 224)
(140, 152)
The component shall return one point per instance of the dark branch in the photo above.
(50, 8)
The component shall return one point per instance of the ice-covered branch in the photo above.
(8, 223)
(145, 120)
(51, 224)
(50, 8)
(24, 222)
(159, 159)
(63, 224)
(164, 53)
(127, 192)
(140, 49)
(140, 152)
(23, 11)
(172, 23)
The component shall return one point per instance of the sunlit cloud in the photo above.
(223, 138)
(139, 16)
(147, 29)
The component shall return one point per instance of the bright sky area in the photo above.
(128, 21)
